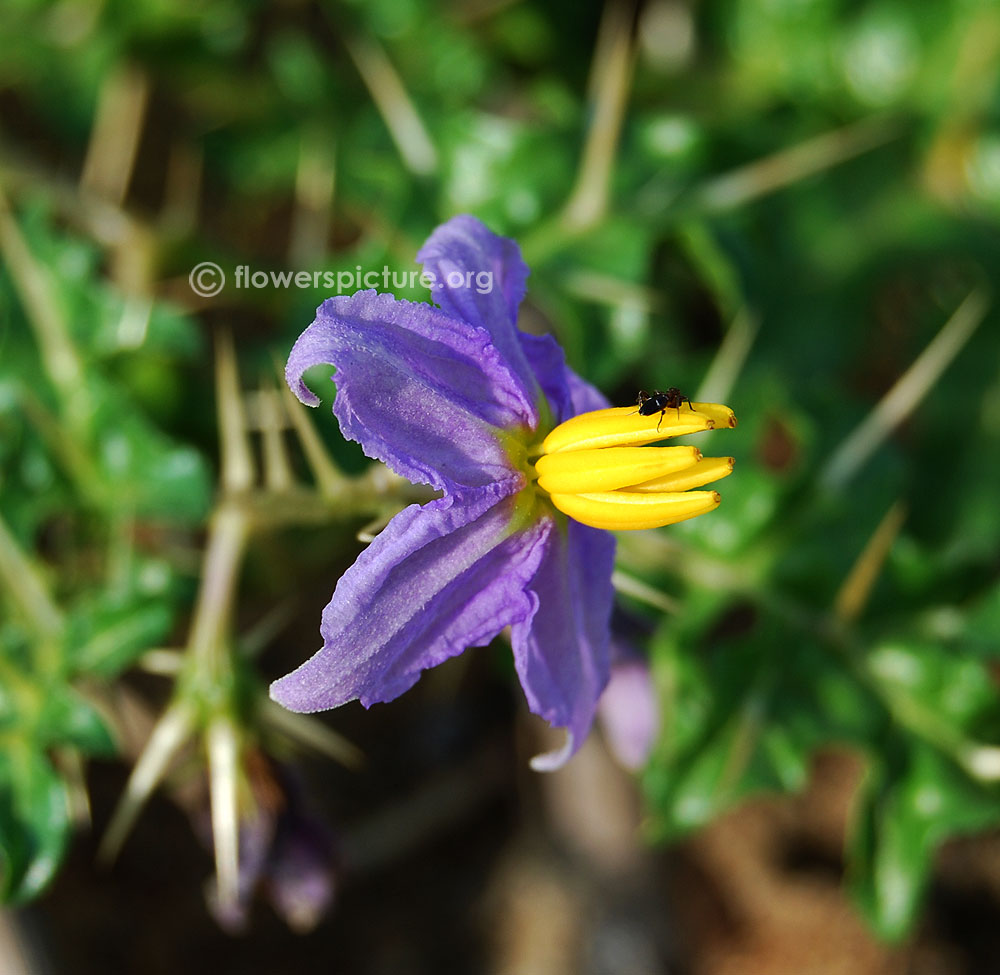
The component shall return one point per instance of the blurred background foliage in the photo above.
(787, 205)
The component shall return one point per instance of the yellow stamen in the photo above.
(704, 472)
(578, 471)
(625, 426)
(596, 469)
(724, 417)
(617, 510)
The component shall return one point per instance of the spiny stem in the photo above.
(238, 469)
(394, 104)
(788, 166)
(114, 139)
(229, 533)
(329, 480)
(185, 173)
(315, 180)
(278, 475)
(629, 585)
(906, 393)
(164, 743)
(609, 85)
(861, 579)
(728, 361)
(312, 733)
(223, 770)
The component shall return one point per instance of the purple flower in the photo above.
(285, 853)
(629, 711)
(458, 398)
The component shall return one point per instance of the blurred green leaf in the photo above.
(105, 634)
(913, 800)
(744, 716)
(67, 718)
(34, 823)
(145, 472)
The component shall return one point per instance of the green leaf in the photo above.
(34, 823)
(715, 747)
(143, 469)
(106, 633)
(913, 800)
(744, 715)
(956, 691)
(982, 626)
(67, 718)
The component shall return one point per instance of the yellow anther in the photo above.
(624, 427)
(596, 469)
(704, 472)
(618, 510)
(579, 471)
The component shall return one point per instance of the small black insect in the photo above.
(660, 402)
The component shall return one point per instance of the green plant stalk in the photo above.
(229, 532)
(25, 587)
(59, 355)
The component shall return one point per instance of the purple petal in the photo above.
(566, 392)
(561, 650)
(548, 365)
(630, 713)
(585, 398)
(301, 871)
(418, 390)
(464, 256)
(438, 579)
